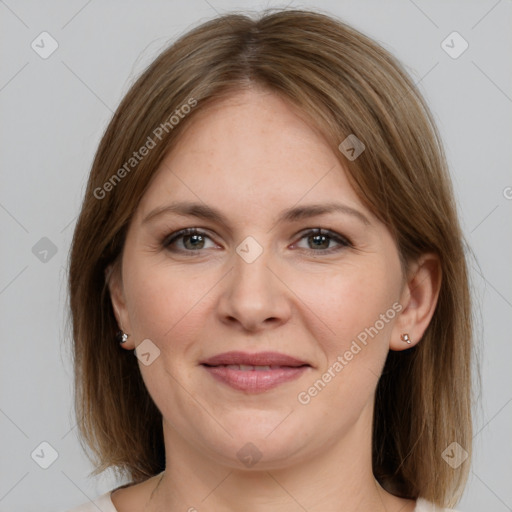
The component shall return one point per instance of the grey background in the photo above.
(53, 113)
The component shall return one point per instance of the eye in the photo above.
(194, 240)
(191, 239)
(321, 239)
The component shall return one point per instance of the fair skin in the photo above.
(251, 157)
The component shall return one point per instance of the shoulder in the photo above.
(423, 505)
(103, 503)
(126, 497)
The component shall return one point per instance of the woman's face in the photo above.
(254, 280)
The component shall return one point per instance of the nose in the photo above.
(254, 297)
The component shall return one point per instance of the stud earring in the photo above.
(121, 336)
(405, 338)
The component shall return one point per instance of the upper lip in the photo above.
(256, 359)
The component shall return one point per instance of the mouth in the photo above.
(254, 372)
(250, 367)
(258, 359)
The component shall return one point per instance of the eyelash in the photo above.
(342, 240)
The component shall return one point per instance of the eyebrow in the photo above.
(187, 208)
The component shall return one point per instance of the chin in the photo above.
(257, 455)
(257, 446)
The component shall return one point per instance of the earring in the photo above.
(121, 337)
(405, 337)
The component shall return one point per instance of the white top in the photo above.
(104, 504)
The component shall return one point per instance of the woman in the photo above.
(269, 227)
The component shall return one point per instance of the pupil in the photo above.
(197, 238)
(320, 238)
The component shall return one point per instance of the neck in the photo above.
(336, 477)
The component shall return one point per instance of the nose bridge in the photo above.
(251, 268)
(254, 295)
(250, 250)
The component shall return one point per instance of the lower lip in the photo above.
(255, 380)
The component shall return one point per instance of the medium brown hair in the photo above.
(343, 83)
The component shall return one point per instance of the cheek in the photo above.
(357, 307)
(165, 306)
(153, 304)
(163, 301)
(351, 300)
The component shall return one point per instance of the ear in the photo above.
(418, 299)
(114, 282)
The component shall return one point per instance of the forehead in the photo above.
(250, 148)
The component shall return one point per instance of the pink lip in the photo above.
(283, 369)
(255, 380)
